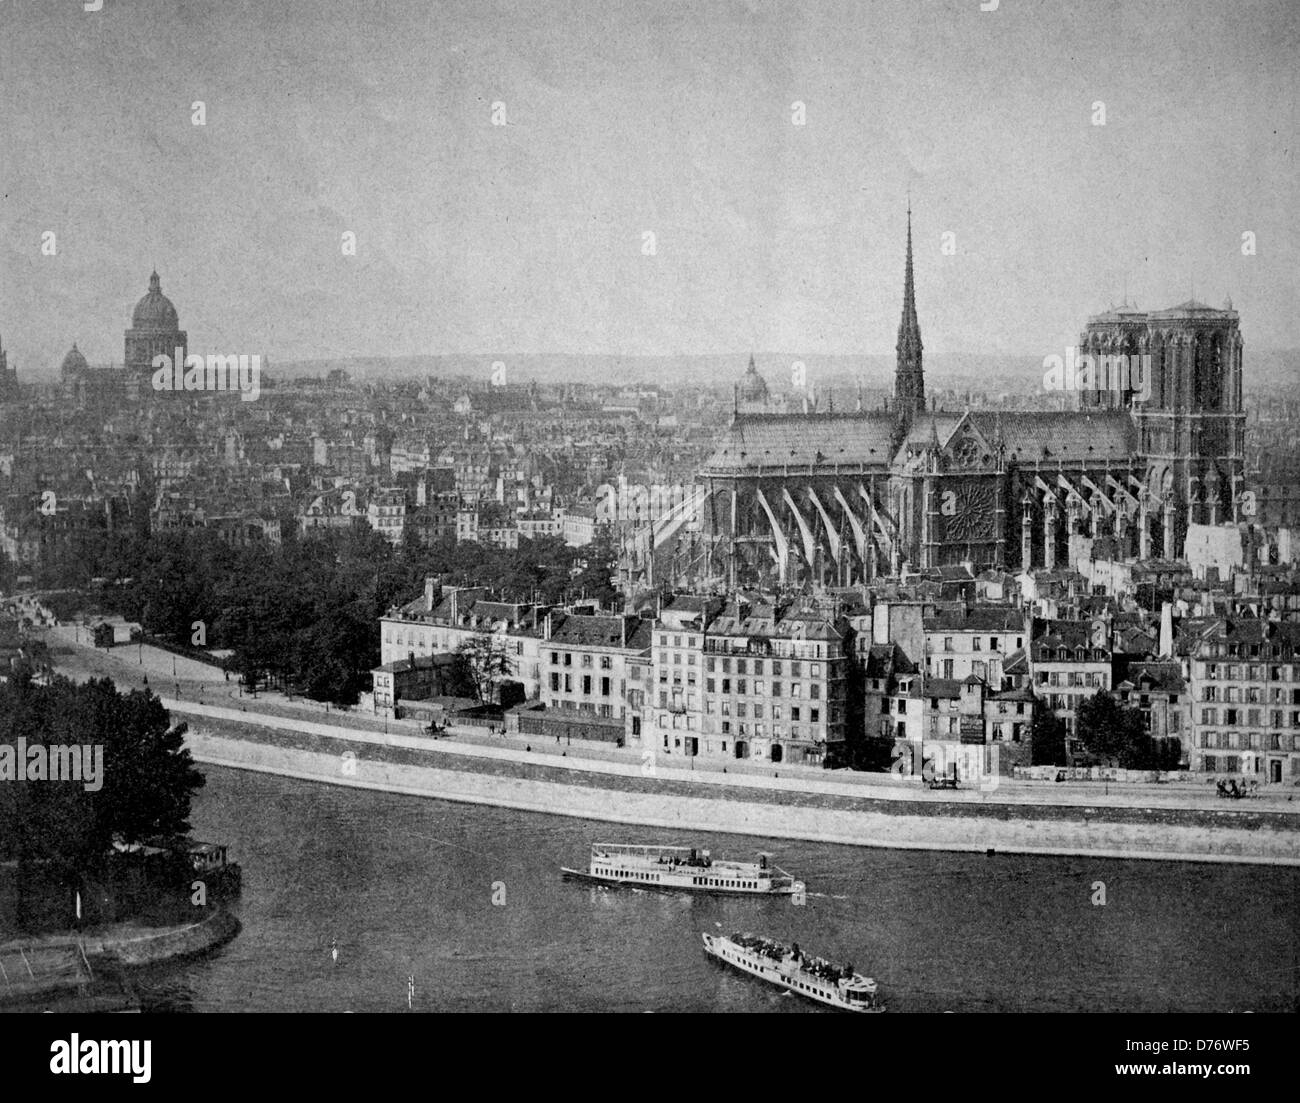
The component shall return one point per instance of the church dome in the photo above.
(155, 310)
(74, 362)
(753, 387)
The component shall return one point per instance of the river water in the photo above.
(405, 886)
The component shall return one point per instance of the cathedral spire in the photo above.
(909, 382)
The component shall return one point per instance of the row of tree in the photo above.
(305, 613)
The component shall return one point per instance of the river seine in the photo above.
(405, 887)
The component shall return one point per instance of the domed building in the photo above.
(74, 364)
(155, 329)
(751, 392)
(83, 385)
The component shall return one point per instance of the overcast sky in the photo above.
(326, 116)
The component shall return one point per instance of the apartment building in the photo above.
(589, 663)
(774, 682)
(972, 641)
(1245, 689)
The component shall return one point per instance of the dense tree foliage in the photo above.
(871, 753)
(148, 777)
(1047, 747)
(306, 613)
(1118, 734)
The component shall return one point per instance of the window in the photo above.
(555, 682)
(975, 643)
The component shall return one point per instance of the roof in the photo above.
(403, 666)
(1030, 436)
(803, 440)
(155, 310)
(1016, 663)
(1166, 676)
(978, 618)
(603, 631)
(887, 659)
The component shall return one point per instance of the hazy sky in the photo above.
(326, 116)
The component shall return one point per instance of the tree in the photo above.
(1114, 732)
(871, 753)
(600, 561)
(146, 785)
(1047, 741)
(485, 662)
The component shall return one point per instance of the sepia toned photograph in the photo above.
(765, 507)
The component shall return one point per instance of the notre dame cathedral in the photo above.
(838, 498)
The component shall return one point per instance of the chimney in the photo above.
(430, 587)
(547, 631)
(454, 603)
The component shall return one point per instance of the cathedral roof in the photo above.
(155, 310)
(825, 440)
(801, 440)
(1031, 436)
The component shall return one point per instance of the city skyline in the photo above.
(528, 238)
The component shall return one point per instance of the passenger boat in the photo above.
(686, 868)
(788, 967)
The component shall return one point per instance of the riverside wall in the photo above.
(766, 808)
